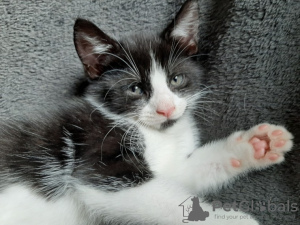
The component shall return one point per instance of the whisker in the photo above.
(119, 70)
(116, 84)
(130, 59)
(108, 53)
(178, 52)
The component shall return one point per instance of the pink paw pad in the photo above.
(272, 156)
(260, 146)
(268, 144)
(269, 141)
(263, 127)
(280, 143)
(235, 163)
(277, 133)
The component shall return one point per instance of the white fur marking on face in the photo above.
(162, 96)
(163, 99)
(121, 120)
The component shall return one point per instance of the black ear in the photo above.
(93, 47)
(184, 28)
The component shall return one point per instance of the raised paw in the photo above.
(268, 144)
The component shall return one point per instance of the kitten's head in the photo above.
(151, 80)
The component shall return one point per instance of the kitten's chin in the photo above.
(167, 124)
(163, 125)
(160, 126)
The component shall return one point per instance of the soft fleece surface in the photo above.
(250, 52)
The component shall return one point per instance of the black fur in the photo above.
(81, 145)
(32, 153)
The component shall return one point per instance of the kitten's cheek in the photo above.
(180, 109)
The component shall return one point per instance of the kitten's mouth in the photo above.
(167, 124)
(162, 126)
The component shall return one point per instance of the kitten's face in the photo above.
(150, 84)
(151, 81)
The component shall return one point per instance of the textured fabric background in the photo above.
(250, 50)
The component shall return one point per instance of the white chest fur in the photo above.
(167, 148)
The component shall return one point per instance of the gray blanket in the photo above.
(249, 49)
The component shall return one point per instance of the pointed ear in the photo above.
(184, 28)
(93, 47)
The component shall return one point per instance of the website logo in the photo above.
(192, 211)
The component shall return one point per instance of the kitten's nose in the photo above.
(167, 112)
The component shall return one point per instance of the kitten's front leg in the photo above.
(156, 202)
(218, 162)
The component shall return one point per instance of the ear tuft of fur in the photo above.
(93, 47)
(185, 27)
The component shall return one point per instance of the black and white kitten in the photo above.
(127, 152)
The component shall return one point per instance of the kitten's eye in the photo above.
(177, 80)
(136, 89)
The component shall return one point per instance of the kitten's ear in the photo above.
(184, 28)
(93, 47)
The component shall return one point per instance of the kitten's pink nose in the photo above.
(167, 112)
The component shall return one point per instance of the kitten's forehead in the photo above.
(140, 51)
(157, 75)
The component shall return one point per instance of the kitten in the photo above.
(127, 151)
